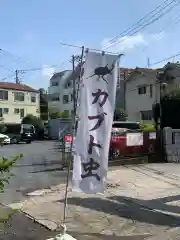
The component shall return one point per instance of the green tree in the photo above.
(43, 104)
(42, 91)
(31, 119)
(37, 123)
(65, 114)
(55, 115)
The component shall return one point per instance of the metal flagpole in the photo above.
(73, 134)
(70, 154)
(63, 235)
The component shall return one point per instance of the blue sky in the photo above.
(32, 31)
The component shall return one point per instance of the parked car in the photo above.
(6, 139)
(120, 140)
(19, 132)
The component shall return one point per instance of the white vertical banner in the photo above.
(96, 111)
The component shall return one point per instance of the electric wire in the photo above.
(144, 25)
(139, 21)
(165, 59)
(5, 78)
(173, 22)
(15, 57)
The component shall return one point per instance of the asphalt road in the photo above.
(39, 168)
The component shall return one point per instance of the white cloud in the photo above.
(123, 44)
(48, 71)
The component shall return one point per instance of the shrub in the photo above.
(5, 174)
(148, 127)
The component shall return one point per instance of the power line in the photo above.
(6, 68)
(80, 47)
(5, 78)
(165, 59)
(139, 21)
(145, 23)
(129, 30)
(18, 59)
(164, 30)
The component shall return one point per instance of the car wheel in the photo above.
(14, 140)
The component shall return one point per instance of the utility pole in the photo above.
(17, 77)
(74, 88)
(148, 62)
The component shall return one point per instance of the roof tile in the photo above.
(15, 86)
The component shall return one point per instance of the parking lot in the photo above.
(39, 168)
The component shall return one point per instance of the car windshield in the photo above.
(126, 125)
(121, 128)
(27, 127)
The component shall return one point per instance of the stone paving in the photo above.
(137, 204)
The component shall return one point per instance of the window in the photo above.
(33, 98)
(1, 112)
(55, 97)
(16, 110)
(146, 115)
(151, 90)
(68, 85)
(19, 96)
(142, 90)
(65, 99)
(54, 84)
(71, 97)
(3, 95)
(6, 110)
(22, 112)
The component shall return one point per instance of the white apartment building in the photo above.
(61, 92)
(16, 101)
(143, 90)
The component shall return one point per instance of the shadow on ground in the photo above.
(134, 209)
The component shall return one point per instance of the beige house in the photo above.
(16, 101)
(143, 90)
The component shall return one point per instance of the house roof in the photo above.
(142, 71)
(60, 74)
(15, 86)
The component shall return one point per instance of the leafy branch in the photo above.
(5, 174)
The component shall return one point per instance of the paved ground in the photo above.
(140, 202)
(39, 168)
(20, 227)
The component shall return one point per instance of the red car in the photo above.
(128, 139)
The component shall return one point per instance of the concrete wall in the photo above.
(59, 125)
(172, 144)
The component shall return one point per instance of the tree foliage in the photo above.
(55, 115)
(167, 112)
(31, 119)
(5, 167)
(37, 123)
(5, 175)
